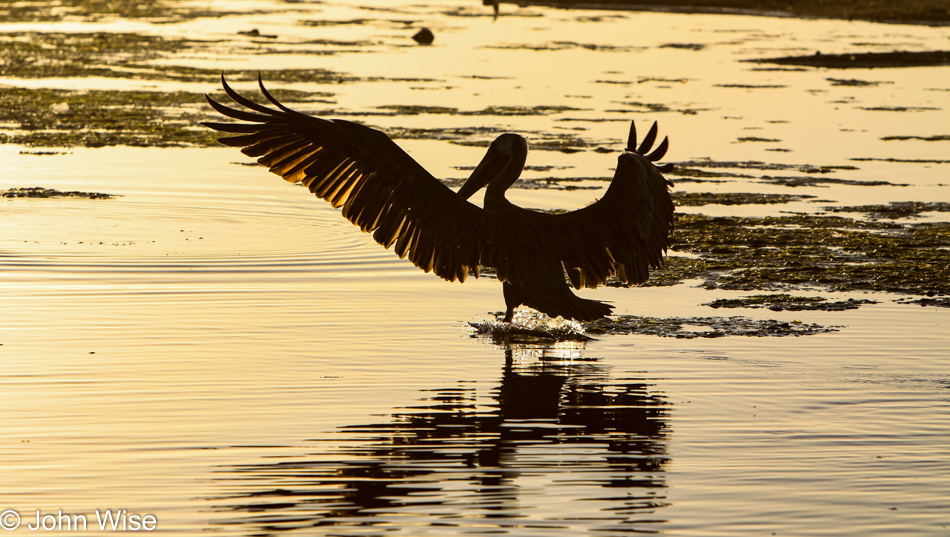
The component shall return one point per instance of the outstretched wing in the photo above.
(626, 232)
(380, 188)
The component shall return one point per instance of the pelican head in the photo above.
(500, 167)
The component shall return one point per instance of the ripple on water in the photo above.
(178, 347)
(479, 459)
(141, 234)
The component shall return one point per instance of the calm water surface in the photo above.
(219, 349)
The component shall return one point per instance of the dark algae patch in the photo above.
(935, 138)
(128, 56)
(803, 251)
(642, 107)
(405, 110)
(902, 160)
(105, 54)
(898, 108)
(895, 209)
(864, 60)
(97, 118)
(57, 118)
(674, 327)
(703, 327)
(562, 45)
(697, 199)
(756, 139)
(756, 165)
(854, 82)
(940, 302)
(95, 10)
(708, 170)
(38, 192)
(684, 46)
(749, 86)
(786, 302)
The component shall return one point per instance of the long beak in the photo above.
(491, 164)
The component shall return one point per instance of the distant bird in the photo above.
(384, 191)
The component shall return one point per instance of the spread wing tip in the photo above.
(647, 144)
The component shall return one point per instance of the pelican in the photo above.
(381, 189)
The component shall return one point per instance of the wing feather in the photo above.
(384, 191)
(380, 188)
(626, 232)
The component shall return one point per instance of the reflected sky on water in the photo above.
(483, 459)
(218, 348)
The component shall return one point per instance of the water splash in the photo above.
(529, 326)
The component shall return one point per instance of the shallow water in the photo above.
(219, 349)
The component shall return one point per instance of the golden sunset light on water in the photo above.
(190, 344)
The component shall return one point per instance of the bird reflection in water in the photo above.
(494, 4)
(556, 446)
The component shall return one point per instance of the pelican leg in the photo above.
(512, 300)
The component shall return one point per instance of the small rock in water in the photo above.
(257, 33)
(424, 37)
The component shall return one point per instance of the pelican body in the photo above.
(381, 189)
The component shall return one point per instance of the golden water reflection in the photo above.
(551, 431)
(211, 346)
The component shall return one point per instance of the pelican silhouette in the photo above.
(383, 190)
